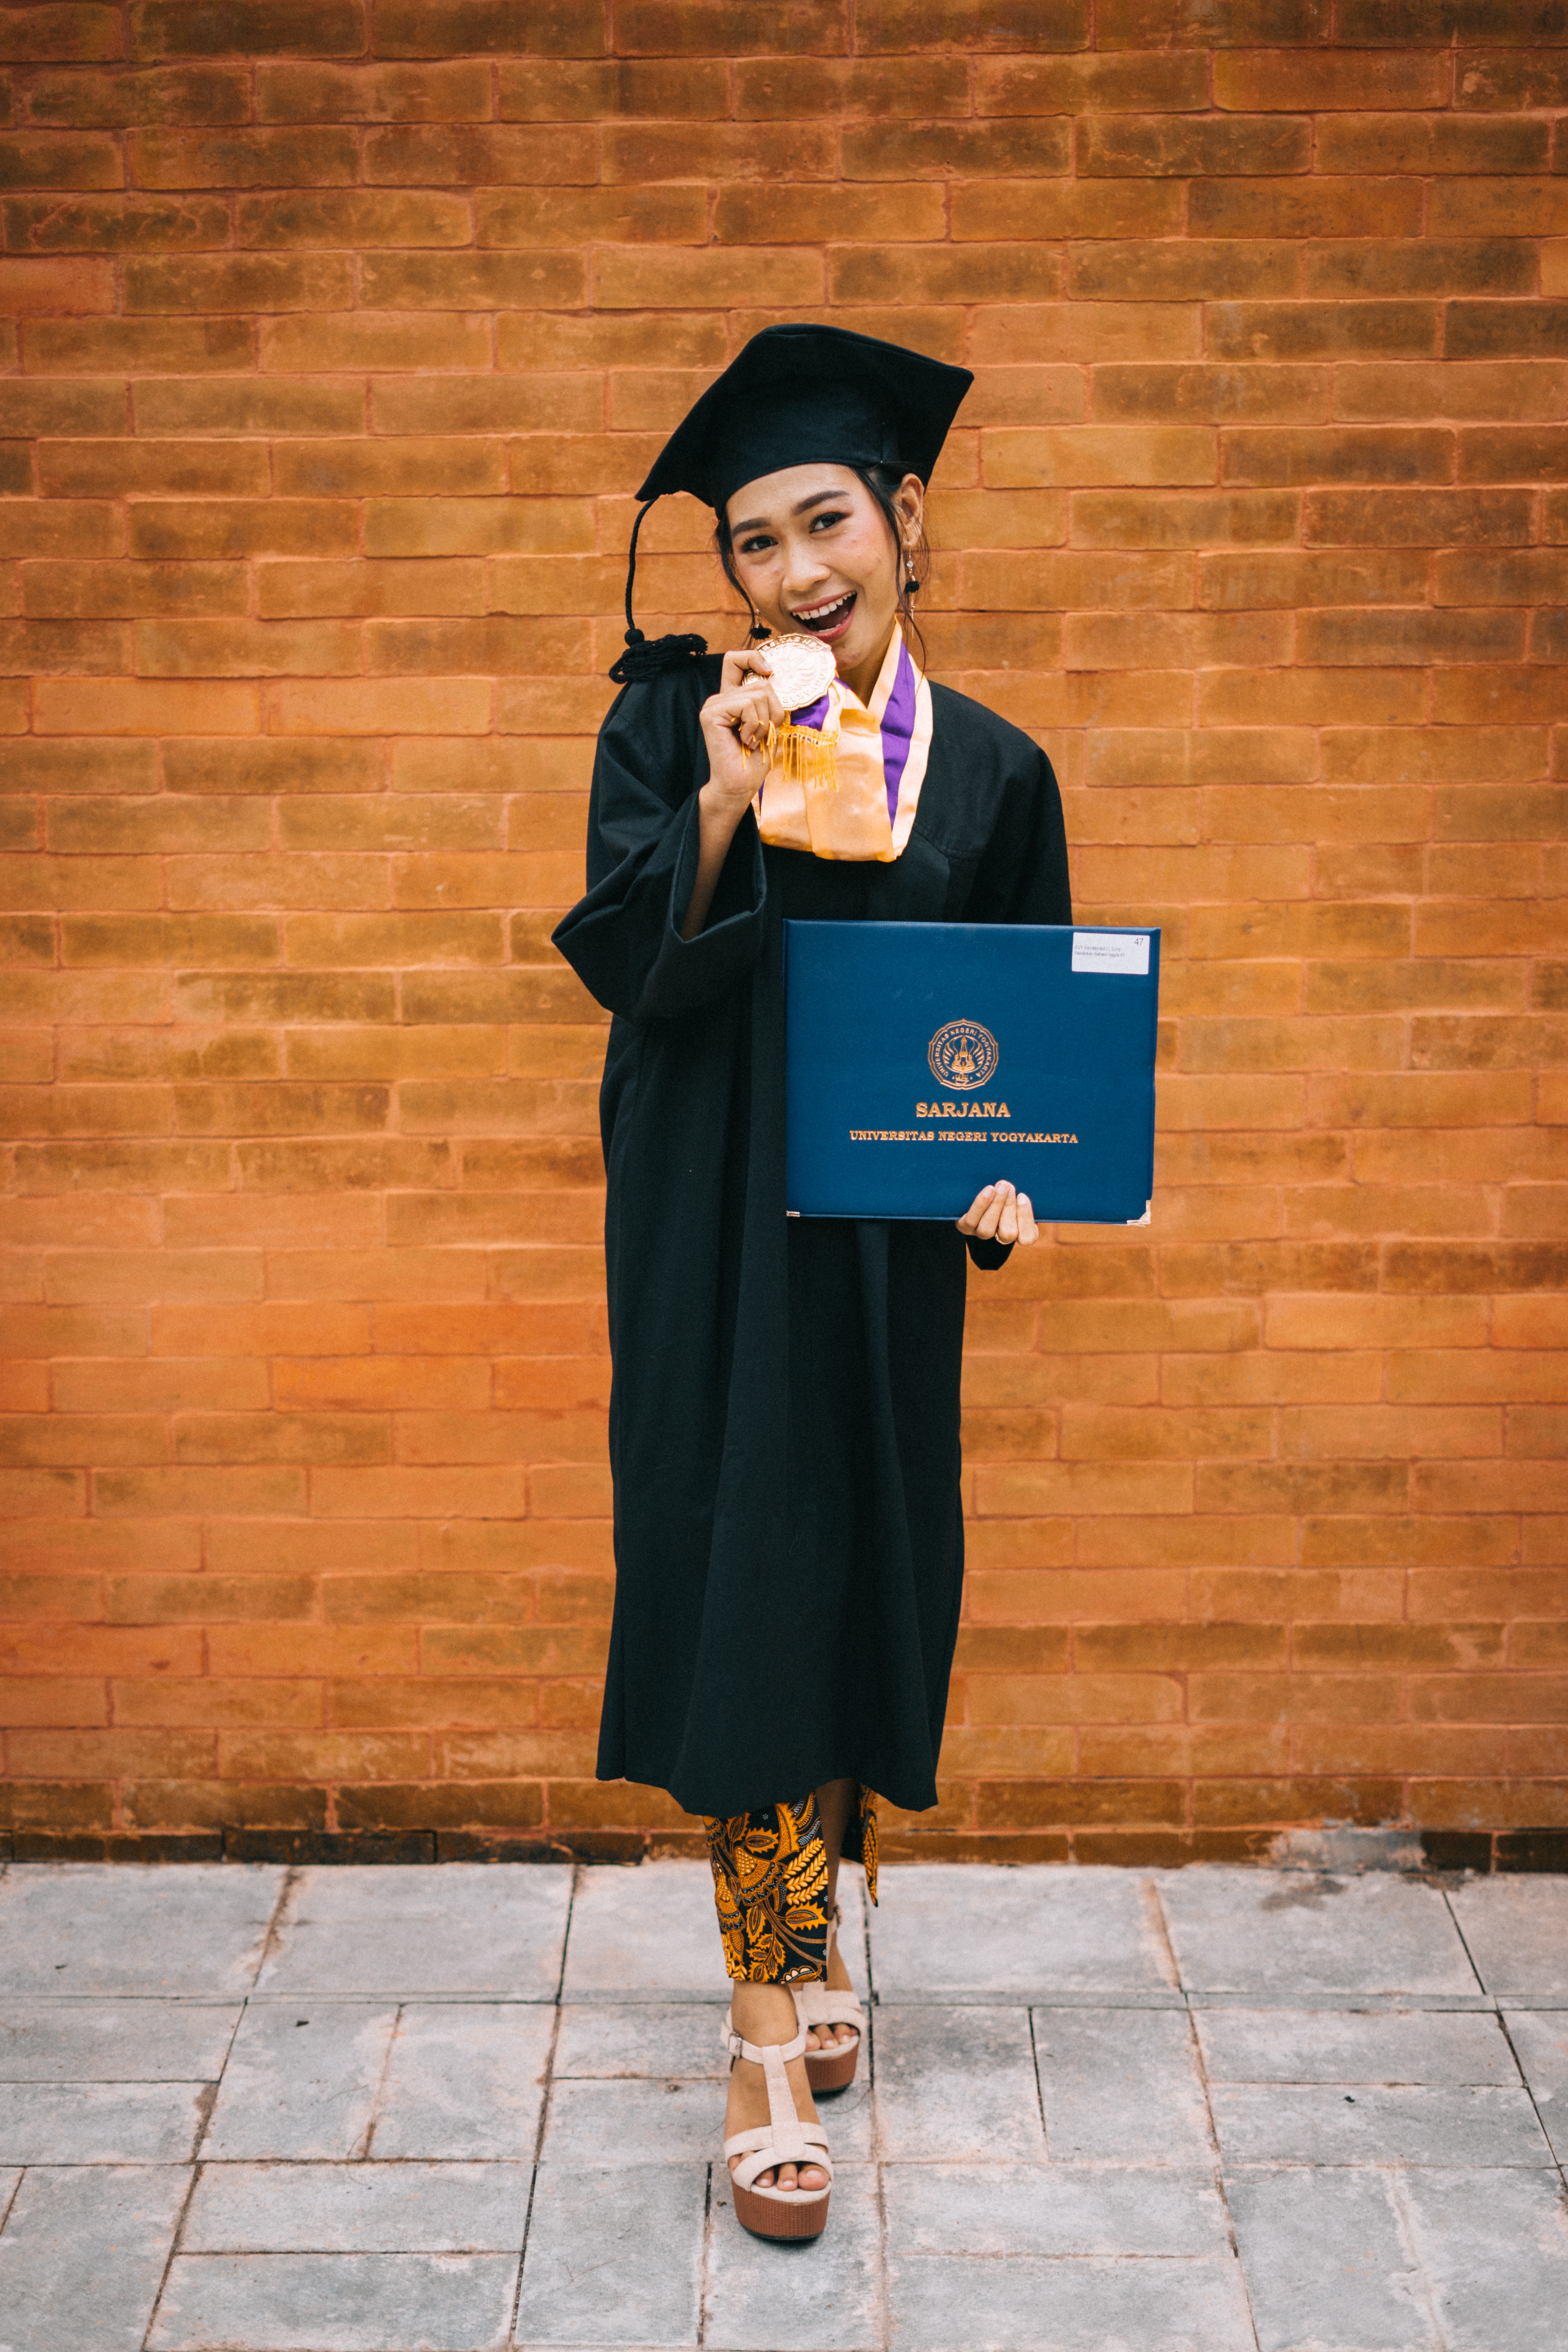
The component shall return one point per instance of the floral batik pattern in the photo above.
(770, 1884)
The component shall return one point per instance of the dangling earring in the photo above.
(759, 629)
(911, 586)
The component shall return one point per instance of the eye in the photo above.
(826, 520)
(756, 545)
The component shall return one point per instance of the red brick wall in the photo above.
(341, 336)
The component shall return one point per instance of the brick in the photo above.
(1119, 519)
(1514, 207)
(1317, 80)
(244, 282)
(258, 27)
(369, 339)
(437, 29)
(1513, 453)
(1413, 142)
(142, 344)
(1306, 331)
(479, 154)
(1413, 635)
(1088, 84)
(121, 588)
(1085, 454)
(476, 526)
(205, 94)
(32, 35)
(1109, 145)
(52, 158)
(36, 527)
(526, 280)
(1311, 206)
(357, 216)
(113, 223)
(1394, 518)
(1028, 210)
(807, 214)
(1181, 270)
(1485, 330)
(633, 280)
(1512, 389)
(1420, 266)
(36, 287)
(138, 707)
(1216, 393)
(1339, 455)
(1290, 580)
(900, 26)
(235, 157)
(373, 93)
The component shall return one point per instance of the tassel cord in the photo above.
(641, 659)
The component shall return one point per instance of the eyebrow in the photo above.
(802, 506)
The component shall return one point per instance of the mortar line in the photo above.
(1496, 1999)
(1559, 2167)
(292, 1874)
(174, 2236)
(1396, 2189)
(884, 2299)
(705, 2266)
(533, 2173)
(362, 2153)
(1039, 2086)
(1152, 1889)
(548, 2092)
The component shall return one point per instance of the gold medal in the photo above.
(803, 669)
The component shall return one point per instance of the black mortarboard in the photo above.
(795, 395)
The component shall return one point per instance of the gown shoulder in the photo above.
(960, 716)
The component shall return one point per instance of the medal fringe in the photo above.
(804, 757)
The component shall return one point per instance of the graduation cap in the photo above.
(795, 395)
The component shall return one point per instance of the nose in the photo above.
(805, 572)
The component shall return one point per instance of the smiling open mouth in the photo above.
(827, 620)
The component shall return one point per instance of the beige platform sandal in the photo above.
(831, 2068)
(783, 2139)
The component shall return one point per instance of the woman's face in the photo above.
(813, 552)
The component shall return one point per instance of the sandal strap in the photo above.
(738, 2047)
(816, 2005)
(763, 2150)
(784, 2139)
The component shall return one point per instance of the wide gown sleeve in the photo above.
(623, 939)
(1023, 878)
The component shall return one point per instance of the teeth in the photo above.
(819, 612)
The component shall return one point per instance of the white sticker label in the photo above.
(1110, 951)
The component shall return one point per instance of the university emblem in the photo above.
(962, 1055)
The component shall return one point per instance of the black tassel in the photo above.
(641, 659)
(646, 658)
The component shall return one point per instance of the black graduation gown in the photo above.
(784, 1407)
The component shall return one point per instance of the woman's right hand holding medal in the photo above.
(735, 723)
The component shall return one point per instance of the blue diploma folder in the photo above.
(923, 1060)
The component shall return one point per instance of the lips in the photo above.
(829, 621)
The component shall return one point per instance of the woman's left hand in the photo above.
(999, 1213)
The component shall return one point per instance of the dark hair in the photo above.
(881, 481)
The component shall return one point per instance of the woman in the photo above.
(785, 1415)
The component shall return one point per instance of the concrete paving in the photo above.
(477, 2108)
